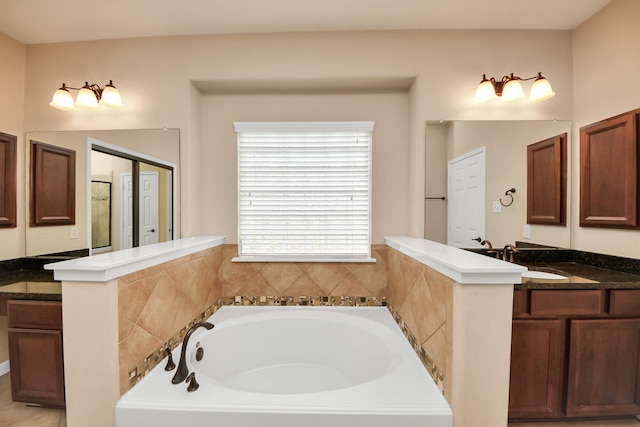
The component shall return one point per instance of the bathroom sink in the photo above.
(541, 275)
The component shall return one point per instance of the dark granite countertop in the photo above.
(579, 276)
(29, 284)
(32, 290)
(26, 278)
(580, 269)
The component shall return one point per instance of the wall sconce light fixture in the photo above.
(89, 96)
(509, 88)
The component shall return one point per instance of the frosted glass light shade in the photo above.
(111, 96)
(485, 91)
(62, 100)
(86, 98)
(541, 90)
(512, 90)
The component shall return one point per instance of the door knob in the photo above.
(153, 230)
(478, 239)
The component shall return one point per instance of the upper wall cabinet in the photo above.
(609, 172)
(547, 181)
(8, 160)
(53, 185)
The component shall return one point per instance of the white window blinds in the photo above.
(304, 189)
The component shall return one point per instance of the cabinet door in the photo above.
(608, 173)
(36, 366)
(603, 367)
(537, 354)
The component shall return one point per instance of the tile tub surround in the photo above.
(155, 306)
(146, 331)
(95, 288)
(95, 299)
(458, 306)
(304, 278)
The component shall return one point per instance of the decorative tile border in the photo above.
(428, 363)
(157, 356)
(315, 301)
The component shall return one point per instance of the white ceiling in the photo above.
(50, 21)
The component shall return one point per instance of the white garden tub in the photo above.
(293, 366)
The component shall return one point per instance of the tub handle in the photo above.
(193, 384)
(170, 365)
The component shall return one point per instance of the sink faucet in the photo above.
(183, 370)
(508, 251)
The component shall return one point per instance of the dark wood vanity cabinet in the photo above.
(536, 368)
(603, 367)
(575, 353)
(35, 352)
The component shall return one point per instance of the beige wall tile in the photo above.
(424, 299)
(156, 303)
(304, 286)
(327, 275)
(280, 275)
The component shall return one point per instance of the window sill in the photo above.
(301, 259)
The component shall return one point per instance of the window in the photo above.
(304, 190)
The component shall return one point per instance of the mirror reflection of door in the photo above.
(142, 198)
(149, 210)
(467, 200)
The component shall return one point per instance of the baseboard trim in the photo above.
(4, 367)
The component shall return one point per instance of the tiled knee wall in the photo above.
(422, 299)
(155, 312)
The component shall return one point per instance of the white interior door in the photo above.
(148, 209)
(466, 191)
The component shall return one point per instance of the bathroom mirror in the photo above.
(505, 148)
(109, 164)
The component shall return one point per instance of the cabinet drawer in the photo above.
(566, 302)
(625, 302)
(34, 314)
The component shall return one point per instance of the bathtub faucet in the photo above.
(183, 371)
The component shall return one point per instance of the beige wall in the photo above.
(390, 150)
(435, 210)
(154, 76)
(446, 66)
(12, 78)
(605, 71)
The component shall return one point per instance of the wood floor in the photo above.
(14, 414)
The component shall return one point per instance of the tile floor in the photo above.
(14, 414)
